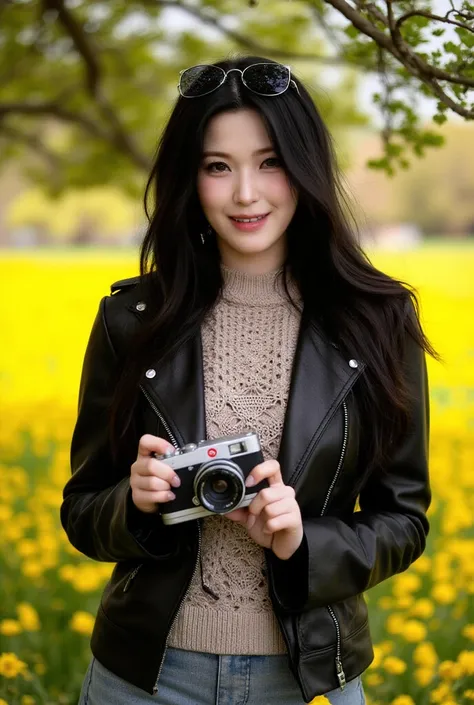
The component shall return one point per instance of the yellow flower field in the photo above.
(422, 621)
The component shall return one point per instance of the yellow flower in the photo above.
(40, 668)
(10, 627)
(423, 608)
(28, 617)
(404, 602)
(32, 569)
(422, 565)
(441, 694)
(444, 593)
(378, 656)
(395, 623)
(28, 700)
(466, 661)
(394, 665)
(424, 676)
(425, 655)
(403, 700)
(27, 548)
(406, 583)
(373, 680)
(450, 671)
(11, 666)
(387, 647)
(82, 622)
(469, 694)
(3, 702)
(414, 631)
(468, 631)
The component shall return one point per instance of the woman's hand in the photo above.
(273, 518)
(151, 479)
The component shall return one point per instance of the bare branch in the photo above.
(33, 142)
(54, 110)
(83, 45)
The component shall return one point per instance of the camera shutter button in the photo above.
(189, 447)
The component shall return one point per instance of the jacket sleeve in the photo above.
(340, 558)
(97, 511)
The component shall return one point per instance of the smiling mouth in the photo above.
(255, 219)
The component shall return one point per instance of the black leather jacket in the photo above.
(317, 594)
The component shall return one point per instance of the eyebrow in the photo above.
(264, 150)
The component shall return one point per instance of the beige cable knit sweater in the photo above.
(249, 340)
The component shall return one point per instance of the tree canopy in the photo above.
(86, 87)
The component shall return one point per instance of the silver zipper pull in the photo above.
(131, 577)
(341, 676)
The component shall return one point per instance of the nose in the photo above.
(246, 189)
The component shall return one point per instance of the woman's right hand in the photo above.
(151, 479)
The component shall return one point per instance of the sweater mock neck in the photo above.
(256, 289)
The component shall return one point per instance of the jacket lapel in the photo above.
(177, 390)
(320, 380)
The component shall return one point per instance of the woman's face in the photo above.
(241, 177)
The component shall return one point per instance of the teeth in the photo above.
(248, 220)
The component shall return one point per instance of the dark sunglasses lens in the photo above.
(267, 79)
(199, 80)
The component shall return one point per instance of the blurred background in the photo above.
(85, 89)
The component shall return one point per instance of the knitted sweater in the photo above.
(249, 340)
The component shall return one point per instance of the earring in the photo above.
(208, 233)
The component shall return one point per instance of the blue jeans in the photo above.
(193, 678)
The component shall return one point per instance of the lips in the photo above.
(257, 216)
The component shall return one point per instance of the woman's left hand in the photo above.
(273, 518)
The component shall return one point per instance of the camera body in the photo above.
(212, 475)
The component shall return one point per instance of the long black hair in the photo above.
(362, 310)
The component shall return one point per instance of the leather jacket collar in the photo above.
(321, 378)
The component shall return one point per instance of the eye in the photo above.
(215, 167)
(273, 162)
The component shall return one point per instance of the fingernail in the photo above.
(171, 495)
(176, 482)
(249, 481)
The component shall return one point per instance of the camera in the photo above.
(212, 475)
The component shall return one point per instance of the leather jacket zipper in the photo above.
(155, 689)
(176, 445)
(341, 676)
(131, 577)
(134, 572)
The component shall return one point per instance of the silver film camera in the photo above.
(213, 475)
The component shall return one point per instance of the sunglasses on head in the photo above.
(263, 79)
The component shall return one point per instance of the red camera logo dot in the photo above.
(212, 452)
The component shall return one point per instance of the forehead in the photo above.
(236, 131)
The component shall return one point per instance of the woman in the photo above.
(255, 310)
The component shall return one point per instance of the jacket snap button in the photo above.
(150, 374)
(353, 363)
(140, 306)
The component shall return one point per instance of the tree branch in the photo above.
(428, 15)
(54, 110)
(33, 142)
(89, 54)
(405, 55)
(82, 43)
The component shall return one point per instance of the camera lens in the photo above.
(220, 486)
